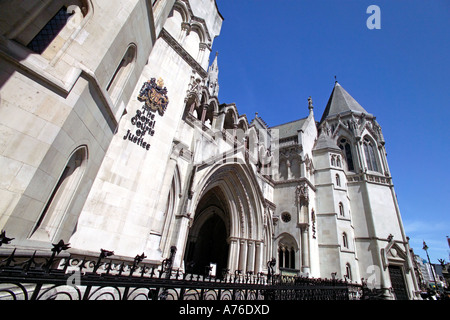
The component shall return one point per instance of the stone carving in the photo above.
(154, 94)
(301, 192)
(196, 84)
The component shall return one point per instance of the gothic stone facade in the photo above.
(112, 136)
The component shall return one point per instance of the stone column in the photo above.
(181, 239)
(305, 249)
(220, 121)
(204, 110)
(202, 58)
(242, 255)
(283, 261)
(258, 256)
(360, 155)
(250, 255)
(185, 29)
(233, 255)
(191, 110)
(213, 123)
(303, 171)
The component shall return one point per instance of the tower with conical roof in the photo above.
(360, 229)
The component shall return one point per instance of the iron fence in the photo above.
(60, 275)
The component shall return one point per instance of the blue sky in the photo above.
(273, 55)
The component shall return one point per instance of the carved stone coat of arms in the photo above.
(154, 94)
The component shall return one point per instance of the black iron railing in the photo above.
(60, 275)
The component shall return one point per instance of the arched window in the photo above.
(370, 153)
(338, 161)
(52, 217)
(46, 27)
(344, 145)
(341, 209)
(120, 76)
(338, 180)
(345, 240)
(49, 32)
(286, 257)
(170, 200)
(170, 207)
(190, 107)
(174, 22)
(333, 160)
(229, 120)
(287, 252)
(348, 272)
(192, 42)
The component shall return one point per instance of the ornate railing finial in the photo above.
(4, 239)
(57, 248)
(103, 254)
(136, 261)
(60, 246)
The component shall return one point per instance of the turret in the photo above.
(213, 78)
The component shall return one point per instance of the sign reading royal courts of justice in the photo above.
(154, 95)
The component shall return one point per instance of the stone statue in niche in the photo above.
(301, 192)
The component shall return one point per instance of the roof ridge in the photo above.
(278, 125)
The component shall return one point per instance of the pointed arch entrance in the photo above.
(207, 243)
(228, 226)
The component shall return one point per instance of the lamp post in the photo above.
(425, 247)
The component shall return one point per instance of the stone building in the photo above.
(112, 136)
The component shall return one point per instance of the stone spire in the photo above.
(310, 105)
(341, 102)
(213, 78)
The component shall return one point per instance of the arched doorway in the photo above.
(207, 243)
(288, 254)
(228, 216)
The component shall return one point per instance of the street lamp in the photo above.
(425, 247)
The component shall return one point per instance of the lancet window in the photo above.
(286, 257)
(344, 145)
(370, 153)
